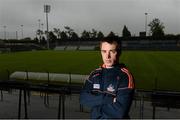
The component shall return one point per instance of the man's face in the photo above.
(109, 54)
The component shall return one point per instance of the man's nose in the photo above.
(108, 55)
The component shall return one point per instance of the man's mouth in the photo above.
(108, 61)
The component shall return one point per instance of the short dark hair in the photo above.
(111, 40)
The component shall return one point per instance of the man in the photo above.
(109, 89)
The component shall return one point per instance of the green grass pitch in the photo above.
(151, 69)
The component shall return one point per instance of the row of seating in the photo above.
(74, 48)
(54, 78)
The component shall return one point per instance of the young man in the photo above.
(109, 89)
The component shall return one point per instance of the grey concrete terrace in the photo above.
(37, 109)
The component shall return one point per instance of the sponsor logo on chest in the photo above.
(96, 86)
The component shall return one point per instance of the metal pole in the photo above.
(1, 95)
(154, 104)
(47, 10)
(142, 106)
(42, 26)
(16, 35)
(39, 23)
(22, 30)
(42, 30)
(146, 22)
(39, 29)
(25, 105)
(47, 34)
(19, 107)
(63, 106)
(4, 32)
(59, 107)
(154, 111)
(28, 91)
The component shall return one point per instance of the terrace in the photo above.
(60, 93)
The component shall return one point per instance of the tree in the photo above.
(85, 34)
(126, 32)
(39, 33)
(74, 36)
(156, 28)
(111, 34)
(52, 37)
(43, 41)
(57, 32)
(93, 34)
(63, 35)
(69, 31)
(100, 35)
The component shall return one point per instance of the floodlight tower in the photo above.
(146, 22)
(22, 30)
(39, 30)
(42, 26)
(47, 10)
(16, 35)
(39, 21)
(4, 32)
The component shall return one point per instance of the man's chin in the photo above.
(109, 65)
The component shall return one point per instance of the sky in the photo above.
(101, 15)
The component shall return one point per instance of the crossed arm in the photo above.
(104, 104)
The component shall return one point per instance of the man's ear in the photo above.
(119, 52)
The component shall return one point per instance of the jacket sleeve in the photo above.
(124, 97)
(90, 97)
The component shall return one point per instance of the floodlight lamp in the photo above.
(47, 8)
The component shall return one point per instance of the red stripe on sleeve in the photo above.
(130, 78)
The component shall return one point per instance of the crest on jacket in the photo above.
(110, 88)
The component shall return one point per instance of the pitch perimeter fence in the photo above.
(157, 98)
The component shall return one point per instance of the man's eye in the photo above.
(103, 51)
(113, 51)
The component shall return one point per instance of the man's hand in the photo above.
(96, 92)
(114, 100)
